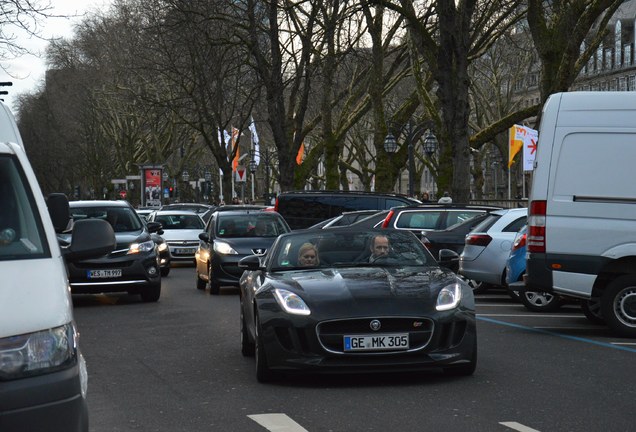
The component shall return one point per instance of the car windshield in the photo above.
(122, 219)
(21, 232)
(180, 221)
(346, 248)
(258, 224)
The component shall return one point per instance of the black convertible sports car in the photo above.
(352, 300)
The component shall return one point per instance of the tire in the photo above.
(263, 373)
(201, 284)
(477, 287)
(618, 305)
(165, 271)
(151, 293)
(465, 369)
(215, 286)
(247, 346)
(539, 301)
(592, 310)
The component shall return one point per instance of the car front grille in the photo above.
(183, 243)
(331, 333)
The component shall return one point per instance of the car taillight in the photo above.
(276, 205)
(478, 240)
(520, 241)
(387, 219)
(536, 226)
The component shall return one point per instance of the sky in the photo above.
(28, 70)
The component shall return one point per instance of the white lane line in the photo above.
(277, 422)
(518, 426)
(623, 343)
(530, 315)
(570, 328)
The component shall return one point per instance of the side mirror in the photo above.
(251, 262)
(91, 238)
(449, 259)
(57, 204)
(155, 227)
(204, 236)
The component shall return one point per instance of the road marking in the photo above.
(624, 343)
(277, 422)
(574, 338)
(532, 315)
(518, 426)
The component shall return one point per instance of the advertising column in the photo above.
(152, 183)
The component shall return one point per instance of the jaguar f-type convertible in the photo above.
(351, 300)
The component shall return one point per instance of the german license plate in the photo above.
(183, 251)
(98, 274)
(376, 342)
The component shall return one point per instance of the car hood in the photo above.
(365, 291)
(181, 234)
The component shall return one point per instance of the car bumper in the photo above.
(226, 270)
(298, 348)
(136, 274)
(51, 402)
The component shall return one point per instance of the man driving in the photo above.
(379, 247)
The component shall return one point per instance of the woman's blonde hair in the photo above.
(308, 246)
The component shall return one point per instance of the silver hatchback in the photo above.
(487, 247)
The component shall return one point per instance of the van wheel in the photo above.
(592, 310)
(618, 305)
(540, 301)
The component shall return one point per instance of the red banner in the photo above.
(153, 187)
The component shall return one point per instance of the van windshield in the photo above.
(21, 232)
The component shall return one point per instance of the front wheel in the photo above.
(151, 293)
(540, 301)
(618, 305)
(263, 372)
(165, 271)
(592, 310)
(247, 346)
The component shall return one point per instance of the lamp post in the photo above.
(390, 146)
(185, 177)
(430, 146)
(252, 167)
(208, 184)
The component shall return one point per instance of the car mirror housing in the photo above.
(251, 262)
(204, 236)
(155, 227)
(448, 258)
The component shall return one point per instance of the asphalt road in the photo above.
(176, 365)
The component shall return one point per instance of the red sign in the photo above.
(241, 174)
(122, 194)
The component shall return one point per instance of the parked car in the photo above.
(181, 229)
(231, 234)
(203, 210)
(487, 247)
(132, 267)
(432, 216)
(145, 212)
(401, 312)
(345, 219)
(302, 209)
(452, 238)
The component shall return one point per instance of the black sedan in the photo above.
(350, 300)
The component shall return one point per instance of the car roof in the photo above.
(238, 207)
(448, 206)
(99, 203)
(177, 212)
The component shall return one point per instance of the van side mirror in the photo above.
(91, 238)
(57, 204)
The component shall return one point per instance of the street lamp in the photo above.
(430, 146)
(390, 146)
(185, 177)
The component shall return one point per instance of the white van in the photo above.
(43, 378)
(582, 214)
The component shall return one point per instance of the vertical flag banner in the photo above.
(301, 154)
(235, 135)
(530, 149)
(516, 137)
(257, 151)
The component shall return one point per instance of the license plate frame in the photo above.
(104, 274)
(184, 251)
(376, 342)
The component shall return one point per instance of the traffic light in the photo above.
(171, 191)
(76, 192)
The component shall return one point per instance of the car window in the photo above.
(261, 224)
(487, 223)
(418, 219)
(21, 232)
(455, 217)
(122, 219)
(346, 249)
(516, 225)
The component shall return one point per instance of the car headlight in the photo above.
(224, 248)
(136, 248)
(162, 247)
(449, 297)
(290, 302)
(37, 353)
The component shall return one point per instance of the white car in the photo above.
(181, 231)
(488, 245)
